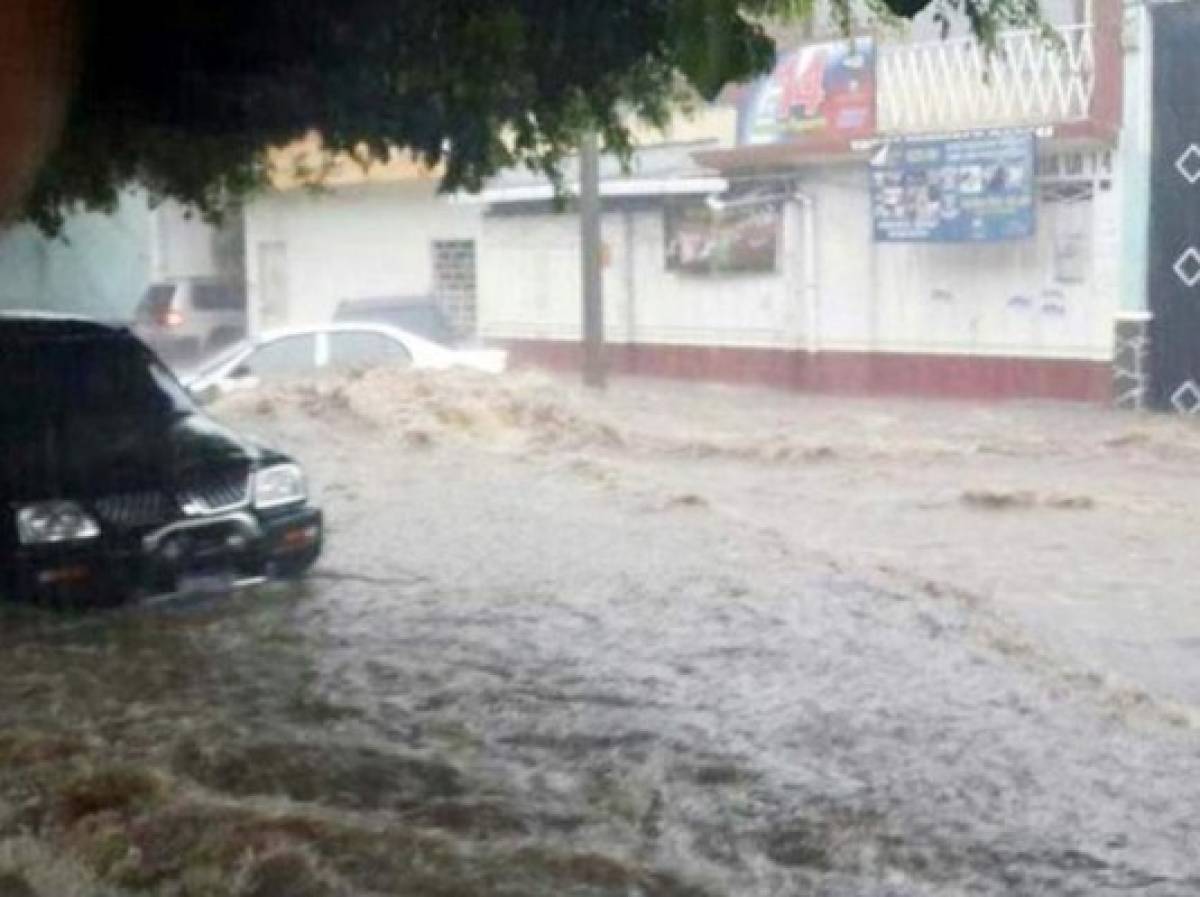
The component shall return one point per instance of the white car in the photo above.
(307, 351)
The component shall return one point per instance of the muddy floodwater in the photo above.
(673, 640)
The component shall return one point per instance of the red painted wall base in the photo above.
(856, 373)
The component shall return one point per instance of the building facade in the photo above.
(374, 232)
(836, 303)
(98, 266)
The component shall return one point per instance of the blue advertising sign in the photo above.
(959, 190)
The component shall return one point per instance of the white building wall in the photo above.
(722, 309)
(350, 243)
(529, 286)
(100, 266)
(845, 264)
(181, 243)
(1050, 297)
(529, 277)
(1029, 298)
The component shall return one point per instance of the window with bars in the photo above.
(454, 283)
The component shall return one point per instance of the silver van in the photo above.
(185, 319)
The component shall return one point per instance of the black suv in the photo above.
(114, 484)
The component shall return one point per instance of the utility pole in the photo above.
(594, 373)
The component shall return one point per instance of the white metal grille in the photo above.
(952, 84)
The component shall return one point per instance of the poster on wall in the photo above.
(742, 237)
(958, 190)
(825, 90)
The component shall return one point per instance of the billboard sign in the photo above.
(956, 190)
(743, 238)
(825, 90)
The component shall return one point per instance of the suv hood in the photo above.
(84, 458)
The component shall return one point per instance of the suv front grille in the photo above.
(213, 491)
(127, 510)
(206, 492)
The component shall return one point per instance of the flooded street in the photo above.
(669, 641)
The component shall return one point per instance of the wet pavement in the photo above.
(581, 667)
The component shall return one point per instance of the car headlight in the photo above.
(280, 484)
(55, 521)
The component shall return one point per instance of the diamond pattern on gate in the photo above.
(1187, 267)
(1188, 164)
(953, 84)
(1186, 399)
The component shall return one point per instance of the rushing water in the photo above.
(510, 676)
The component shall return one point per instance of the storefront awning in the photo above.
(617, 187)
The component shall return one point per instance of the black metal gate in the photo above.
(1175, 209)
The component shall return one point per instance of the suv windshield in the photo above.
(86, 376)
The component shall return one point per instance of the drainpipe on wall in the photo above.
(630, 249)
(810, 288)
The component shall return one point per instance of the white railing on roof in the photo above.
(953, 84)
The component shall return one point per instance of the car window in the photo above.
(365, 349)
(217, 297)
(290, 355)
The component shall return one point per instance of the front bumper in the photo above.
(236, 548)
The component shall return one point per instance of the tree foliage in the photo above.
(184, 96)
